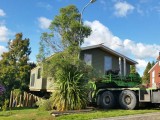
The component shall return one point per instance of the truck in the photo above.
(124, 91)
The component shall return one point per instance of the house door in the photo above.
(107, 63)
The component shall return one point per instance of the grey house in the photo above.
(100, 57)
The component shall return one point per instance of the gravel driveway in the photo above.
(146, 116)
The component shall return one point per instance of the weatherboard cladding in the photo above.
(98, 55)
(107, 49)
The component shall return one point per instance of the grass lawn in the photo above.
(103, 114)
(25, 114)
(35, 114)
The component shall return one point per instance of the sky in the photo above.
(130, 27)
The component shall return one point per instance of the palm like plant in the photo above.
(70, 92)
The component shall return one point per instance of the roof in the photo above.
(107, 49)
(153, 67)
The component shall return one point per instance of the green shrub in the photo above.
(44, 105)
(70, 87)
(70, 81)
(5, 106)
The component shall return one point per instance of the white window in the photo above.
(107, 63)
(88, 59)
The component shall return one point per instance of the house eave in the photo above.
(152, 68)
(109, 50)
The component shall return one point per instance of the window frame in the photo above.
(32, 80)
(111, 66)
(87, 60)
(39, 73)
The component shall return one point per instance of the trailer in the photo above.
(125, 91)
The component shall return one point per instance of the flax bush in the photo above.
(70, 81)
(71, 89)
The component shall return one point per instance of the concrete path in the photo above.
(146, 116)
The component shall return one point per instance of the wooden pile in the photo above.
(23, 100)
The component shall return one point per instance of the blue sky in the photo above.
(127, 26)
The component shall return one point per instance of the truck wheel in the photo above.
(127, 99)
(107, 100)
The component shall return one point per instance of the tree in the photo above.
(14, 67)
(133, 69)
(69, 73)
(70, 82)
(146, 75)
(134, 73)
(65, 32)
(153, 63)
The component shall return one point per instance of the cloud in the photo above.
(141, 50)
(2, 13)
(122, 9)
(141, 64)
(136, 50)
(2, 49)
(101, 34)
(44, 22)
(4, 33)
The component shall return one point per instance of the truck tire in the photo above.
(127, 99)
(107, 100)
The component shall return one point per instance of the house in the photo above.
(100, 57)
(155, 74)
(38, 82)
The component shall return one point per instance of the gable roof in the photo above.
(107, 49)
(153, 67)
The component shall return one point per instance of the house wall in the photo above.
(39, 83)
(98, 60)
(156, 68)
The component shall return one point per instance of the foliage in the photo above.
(153, 63)
(70, 81)
(71, 91)
(133, 69)
(16, 92)
(4, 107)
(69, 73)
(146, 75)
(44, 104)
(2, 96)
(134, 73)
(14, 69)
(2, 89)
(65, 31)
(42, 51)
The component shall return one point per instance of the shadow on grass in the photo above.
(22, 108)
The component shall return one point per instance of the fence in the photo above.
(23, 100)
